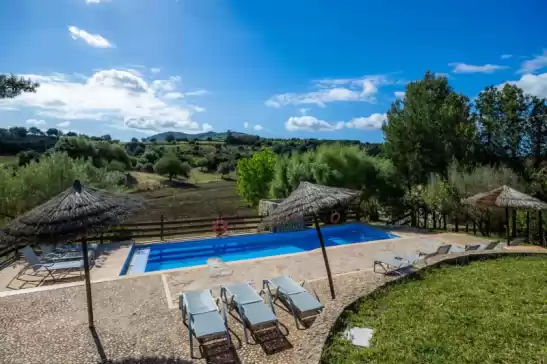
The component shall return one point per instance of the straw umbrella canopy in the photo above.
(71, 215)
(310, 199)
(505, 197)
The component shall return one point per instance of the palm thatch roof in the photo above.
(77, 211)
(310, 198)
(505, 196)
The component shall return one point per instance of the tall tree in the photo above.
(490, 126)
(428, 129)
(18, 131)
(514, 109)
(12, 86)
(34, 131)
(537, 131)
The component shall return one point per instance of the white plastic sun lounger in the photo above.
(294, 296)
(201, 314)
(250, 306)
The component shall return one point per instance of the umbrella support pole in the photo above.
(507, 223)
(324, 251)
(88, 285)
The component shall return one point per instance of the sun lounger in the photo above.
(254, 313)
(201, 314)
(392, 265)
(294, 296)
(489, 246)
(39, 266)
(441, 250)
(69, 255)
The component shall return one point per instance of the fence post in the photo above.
(161, 227)
(488, 225)
(434, 219)
(358, 213)
(444, 221)
(514, 223)
(540, 226)
(527, 226)
(466, 223)
(425, 217)
(457, 227)
(474, 228)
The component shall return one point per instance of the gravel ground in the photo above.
(134, 325)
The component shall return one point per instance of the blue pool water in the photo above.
(154, 257)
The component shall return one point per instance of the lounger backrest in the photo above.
(47, 248)
(199, 302)
(287, 285)
(444, 249)
(243, 293)
(30, 256)
(492, 245)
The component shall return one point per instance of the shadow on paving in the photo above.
(272, 341)
(218, 353)
(148, 360)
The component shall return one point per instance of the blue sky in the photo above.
(322, 69)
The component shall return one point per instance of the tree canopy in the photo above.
(12, 86)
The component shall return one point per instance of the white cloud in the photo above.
(399, 94)
(311, 123)
(196, 93)
(95, 1)
(155, 70)
(245, 125)
(470, 68)
(35, 122)
(361, 89)
(373, 121)
(532, 84)
(506, 56)
(534, 64)
(94, 40)
(173, 95)
(64, 124)
(304, 111)
(113, 95)
(258, 127)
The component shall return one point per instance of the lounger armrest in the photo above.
(44, 265)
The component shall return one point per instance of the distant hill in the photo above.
(200, 136)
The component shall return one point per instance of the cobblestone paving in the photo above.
(133, 320)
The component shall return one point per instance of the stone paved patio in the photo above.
(138, 316)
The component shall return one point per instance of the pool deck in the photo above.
(136, 317)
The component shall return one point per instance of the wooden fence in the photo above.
(532, 228)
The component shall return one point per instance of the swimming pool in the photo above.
(154, 257)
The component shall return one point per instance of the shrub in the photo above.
(171, 166)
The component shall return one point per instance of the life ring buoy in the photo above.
(220, 227)
(335, 217)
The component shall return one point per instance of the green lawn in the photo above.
(493, 311)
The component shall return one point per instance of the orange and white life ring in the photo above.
(220, 227)
(335, 217)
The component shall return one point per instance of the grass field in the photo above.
(203, 195)
(493, 311)
(8, 159)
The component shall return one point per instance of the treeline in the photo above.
(439, 148)
(23, 188)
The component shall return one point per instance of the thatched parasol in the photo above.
(71, 215)
(310, 199)
(505, 197)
